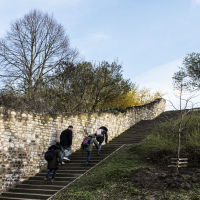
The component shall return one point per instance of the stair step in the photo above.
(72, 171)
(73, 160)
(41, 178)
(59, 174)
(76, 166)
(50, 187)
(12, 198)
(37, 191)
(26, 195)
(94, 159)
(35, 182)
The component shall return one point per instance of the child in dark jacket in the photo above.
(53, 164)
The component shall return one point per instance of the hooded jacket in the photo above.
(93, 140)
(53, 164)
(104, 132)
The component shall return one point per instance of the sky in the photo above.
(150, 38)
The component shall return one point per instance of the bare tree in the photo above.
(35, 45)
(181, 124)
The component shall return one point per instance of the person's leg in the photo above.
(54, 175)
(63, 153)
(100, 144)
(88, 157)
(68, 152)
(48, 174)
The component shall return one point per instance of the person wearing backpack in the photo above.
(89, 147)
(66, 143)
(54, 162)
(100, 136)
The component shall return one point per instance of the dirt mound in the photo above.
(159, 180)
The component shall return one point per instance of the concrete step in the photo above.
(60, 174)
(12, 198)
(110, 145)
(41, 178)
(130, 135)
(35, 182)
(45, 187)
(72, 171)
(76, 165)
(37, 191)
(26, 195)
(83, 155)
(79, 161)
(119, 141)
(75, 168)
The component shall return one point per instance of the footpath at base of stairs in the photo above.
(36, 188)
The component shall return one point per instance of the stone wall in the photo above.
(25, 137)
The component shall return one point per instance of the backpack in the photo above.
(99, 133)
(49, 155)
(86, 142)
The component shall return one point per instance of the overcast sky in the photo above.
(149, 37)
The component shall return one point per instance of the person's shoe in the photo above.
(65, 158)
(63, 163)
(45, 180)
(99, 154)
(53, 180)
(86, 164)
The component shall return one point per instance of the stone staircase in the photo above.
(36, 188)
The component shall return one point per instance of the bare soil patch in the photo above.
(162, 179)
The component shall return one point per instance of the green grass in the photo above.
(161, 145)
(109, 180)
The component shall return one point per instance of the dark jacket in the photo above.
(66, 138)
(93, 140)
(104, 132)
(53, 164)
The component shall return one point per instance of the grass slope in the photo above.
(124, 175)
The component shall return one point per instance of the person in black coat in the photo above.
(53, 164)
(100, 139)
(66, 143)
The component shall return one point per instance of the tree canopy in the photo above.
(188, 77)
(86, 87)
